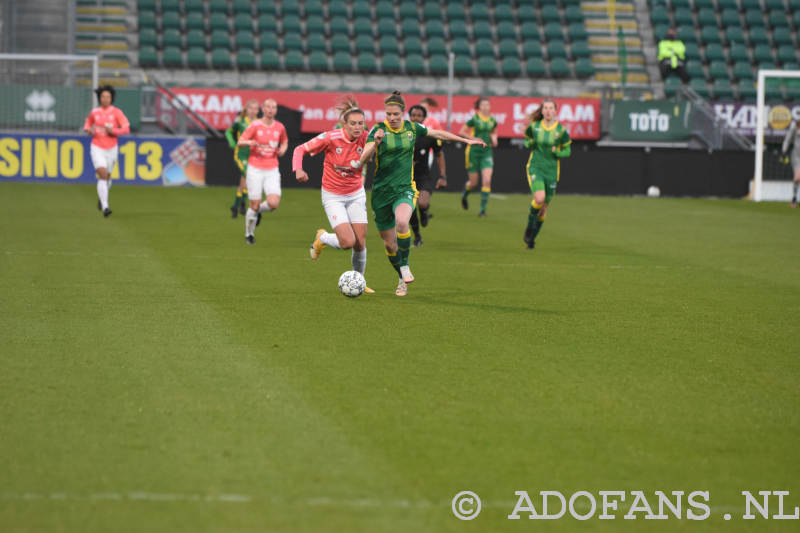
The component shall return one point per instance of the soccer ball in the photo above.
(653, 191)
(352, 283)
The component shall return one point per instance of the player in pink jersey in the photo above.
(343, 195)
(267, 140)
(105, 124)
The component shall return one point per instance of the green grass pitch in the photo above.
(158, 374)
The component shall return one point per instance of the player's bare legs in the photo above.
(472, 182)
(103, 186)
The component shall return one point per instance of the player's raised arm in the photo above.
(284, 139)
(447, 136)
(371, 146)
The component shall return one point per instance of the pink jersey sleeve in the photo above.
(89, 121)
(318, 143)
(248, 133)
(297, 157)
(124, 127)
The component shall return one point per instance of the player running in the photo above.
(549, 143)
(481, 126)
(394, 192)
(241, 153)
(267, 140)
(105, 124)
(343, 195)
(424, 147)
(792, 140)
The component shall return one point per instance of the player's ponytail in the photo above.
(537, 115)
(347, 105)
(395, 99)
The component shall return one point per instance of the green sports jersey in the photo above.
(233, 133)
(394, 161)
(541, 140)
(482, 128)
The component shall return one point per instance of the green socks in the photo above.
(403, 247)
(394, 259)
(484, 198)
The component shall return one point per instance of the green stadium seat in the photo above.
(782, 36)
(170, 5)
(580, 49)
(660, 32)
(787, 54)
(294, 60)
(796, 19)
(508, 48)
(556, 49)
(722, 89)
(463, 66)
(265, 7)
(390, 63)
(341, 43)
(700, 4)
(534, 66)
(718, 69)
(148, 37)
(432, 11)
(270, 59)
(762, 52)
(411, 29)
(313, 8)
(361, 8)
(754, 18)
(220, 39)
(388, 44)
(196, 38)
(503, 12)
(777, 4)
(584, 67)
(268, 40)
(734, 34)
(292, 42)
(683, 16)
(695, 69)
(529, 30)
(218, 6)
(738, 52)
(218, 21)
(460, 47)
(506, 30)
(245, 39)
(170, 19)
(385, 10)
(671, 86)
(573, 14)
(148, 56)
(438, 64)
(436, 45)
(455, 11)
(730, 17)
(337, 26)
(434, 28)
(415, 64)
(412, 46)
(267, 22)
(342, 62)
(706, 17)
(742, 70)
(315, 24)
(146, 5)
(147, 19)
(511, 67)
(487, 66)
(172, 57)
(245, 59)
(316, 42)
(532, 48)
(758, 35)
(550, 14)
(366, 63)
(318, 61)
(365, 43)
(728, 4)
(338, 9)
(195, 21)
(362, 25)
(243, 21)
(710, 34)
(482, 29)
(559, 68)
(290, 9)
(196, 58)
(658, 15)
(408, 11)
(172, 37)
(526, 13)
(291, 24)
(700, 87)
(552, 30)
(243, 6)
(577, 32)
(457, 29)
(750, 4)
(747, 90)
(387, 27)
(687, 34)
(692, 51)
(714, 52)
(484, 48)
(479, 12)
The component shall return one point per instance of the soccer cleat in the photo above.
(464, 202)
(367, 290)
(401, 289)
(528, 238)
(234, 211)
(405, 271)
(258, 219)
(99, 205)
(531, 244)
(250, 239)
(106, 212)
(242, 208)
(417, 241)
(482, 214)
(423, 218)
(317, 246)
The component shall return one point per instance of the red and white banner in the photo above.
(581, 116)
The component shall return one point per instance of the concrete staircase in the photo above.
(105, 28)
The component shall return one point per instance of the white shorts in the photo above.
(103, 158)
(347, 208)
(260, 181)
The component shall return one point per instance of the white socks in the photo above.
(264, 207)
(330, 239)
(250, 222)
(102, 192)
(360, 260)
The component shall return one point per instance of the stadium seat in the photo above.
(390, 63)
(508, 48)
(388, 44)
(366, 63)
(318, 61)
(742, 70)
(559, 68)
(438, 64)
(385, 9)
(341, 43)
(239, 6)
(292, 42)
(147, 19)
(532, 48)
(687, 34)
(710, 34)
(550, 13)
(484, 48)
(695, 69)
(706, 17)
(460, 47)
(718, 69)
(463, 66)
(221, 59)
(245, 59)
(218, 6)
(787, 54)
(436, 45)
(218, 21)
(170, 5)
(148, 37)
(778, 19)
(482, 29)
(534, 66)
(412, 46)
(573, 14)
(172, 37)
(692, 51)
(577, 32)
(170, 19)
(758, 35)
(556, 49)
(754, 18)
(290, 24)
(714, 52)
(584, 67)
(506, 30)
(580, 49)
(432, 11)
(315, 24)
(267, 40)
(408, 11)
(455, 11)
(434, 28)
(457, 29)
(288, 9)
(265, 7)
(415, 64)
(361, 8)
(338, 9)
(172, 57)
(313, 8)
(730, 17)
(762, 53)
(553, 30)
(671, 86)
(411, 29)
(659, 15)
(267, 23)
(220, 39)
(683, 16)
(337, 25)
(738, 52)
(700, 87)
(294, 60)
(146, 5)
(270, 60)
(243, 21)
(148, 56)
(511, 67)
(342, 62)
(387, 27)
(526, 13)
(316, 42)
(487, 66)
(503, 12)
(734, 34)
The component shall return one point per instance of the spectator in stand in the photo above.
(672, 56)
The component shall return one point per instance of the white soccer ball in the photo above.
(653, 191)
(352, 283)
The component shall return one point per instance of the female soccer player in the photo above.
(423, 148)
(267, 140)
(481, 126)
(105, 124)
(549, 143)
(241, 154)
(790, 140)
(394, 192)
(343, 195)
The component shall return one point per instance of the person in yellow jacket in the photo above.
(672, 56)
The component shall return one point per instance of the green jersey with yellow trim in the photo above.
(394, 160)
(541, 140)
(482, 128)
(242, 153)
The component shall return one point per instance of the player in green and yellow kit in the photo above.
(241, 153)
(481, 126)
(549, 143)
(394, 192)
